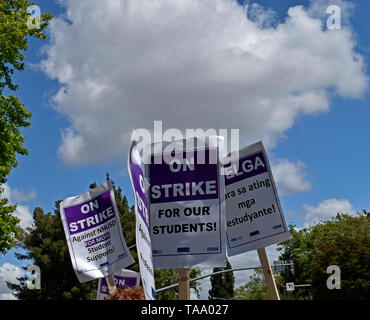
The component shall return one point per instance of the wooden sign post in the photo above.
(184, 284)
(111, 285)
(269, 276)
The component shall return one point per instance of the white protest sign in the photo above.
(143, 243)
(254, 217)
(186, 195)
(121, 278)
(94, 234)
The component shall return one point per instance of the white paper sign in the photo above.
(121, 278)
(94, 234)
(143, 243)
(254, 217)
(186, 195)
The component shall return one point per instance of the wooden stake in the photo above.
(269, 276)
(111, 285)
(184, 284)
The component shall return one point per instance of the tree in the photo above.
(8, 225)
(13, 114)
(222, 284)
(343, 241)
(254, 289)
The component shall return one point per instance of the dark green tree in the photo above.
(46, 246)
(222, 284)
(343, 241)
(14, 34)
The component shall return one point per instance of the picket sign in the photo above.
(121, 278)
(94, 234)
(254, 216)
(187, 213)
(143, 241)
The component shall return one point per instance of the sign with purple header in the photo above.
(186, 194)
(121, 278)
(254, 217)
(143, 243)
(94, 233)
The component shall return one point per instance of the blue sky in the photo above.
(332, 145)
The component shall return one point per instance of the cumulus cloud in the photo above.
(20, 198)
(290, 176)
(10, 273)
(192, 64)
(326, 209)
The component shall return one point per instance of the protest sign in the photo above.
(94, 234)
(254, 217)
(186, 193)
(143, 243)
(121, 278)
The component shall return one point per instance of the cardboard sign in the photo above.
(254, 217)
(187, 217)
(143, 243)
(121, 278)
(94, 234)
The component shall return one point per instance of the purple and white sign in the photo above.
(121, 278)
(254, 217)
(187, 218)
(94, 234)
(143, 243)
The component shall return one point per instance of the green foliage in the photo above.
(13, 44)
(343, 241)
(8, 225)
(13, 114)
(222, 284)
(46, 245)
(254, 289)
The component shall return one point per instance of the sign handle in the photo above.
(269, 276)
(184, 284)
(111, 285)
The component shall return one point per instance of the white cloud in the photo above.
(191, 64)
(22, 211)
(325, 210)
(23, 196)
(290, 177)
(10, 273)
(25, 216)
